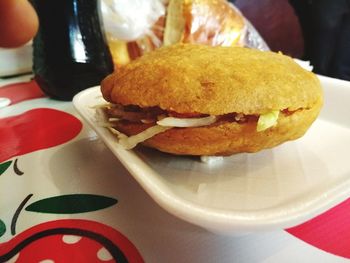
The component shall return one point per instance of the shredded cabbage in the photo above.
(211, 159)
(267, 120)
(130, 142)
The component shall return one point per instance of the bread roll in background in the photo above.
(214, 23)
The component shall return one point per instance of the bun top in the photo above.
(188, 78)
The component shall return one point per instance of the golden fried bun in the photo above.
(225, 82)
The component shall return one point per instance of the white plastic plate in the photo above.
(272, 189)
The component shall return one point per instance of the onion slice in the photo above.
(186, 122)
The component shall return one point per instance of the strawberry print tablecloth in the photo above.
(65, 198)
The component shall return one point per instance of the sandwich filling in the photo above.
(162, 120)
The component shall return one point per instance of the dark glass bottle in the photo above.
(70, 50)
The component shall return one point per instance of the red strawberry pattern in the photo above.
(70, 240)
(34, 130)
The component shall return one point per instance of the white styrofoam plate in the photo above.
(272, 189)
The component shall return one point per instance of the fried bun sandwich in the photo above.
(191, 99)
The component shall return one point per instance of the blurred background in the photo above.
(314, 30)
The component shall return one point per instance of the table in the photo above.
(64, 197)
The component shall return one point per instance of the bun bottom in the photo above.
(226, 138)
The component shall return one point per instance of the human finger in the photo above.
(18, 22)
